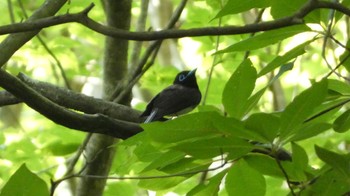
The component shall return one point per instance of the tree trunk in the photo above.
(100, 150)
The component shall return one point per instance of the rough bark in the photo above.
(100, 150)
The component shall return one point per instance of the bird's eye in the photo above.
(182, 77)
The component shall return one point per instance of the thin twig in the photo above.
(285, 175)
(10, 8)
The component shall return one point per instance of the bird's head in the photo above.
(186, 78)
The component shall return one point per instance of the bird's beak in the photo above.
(192, 72)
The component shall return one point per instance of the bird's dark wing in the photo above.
(149, 107)
(174, 99)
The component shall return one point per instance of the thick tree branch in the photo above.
(7, 98)
(83, 19)
(81, 102)
(96, 123)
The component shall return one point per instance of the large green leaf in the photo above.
(238, 6)
(166, 158)
(282, 60)
(208, 189)
(254, 99)
(299, 157)
(238, 89)
(157, 182)
(285, 8)
(301, 108)
(244, 180)
(264, 164)
(339, 86)
(186, 127)
(266, 38)
(337, 161)
(308, 130)
(235, 128)
(24, 182)
(342, 123)
(210, 148)
(264, 124)
(330, 183)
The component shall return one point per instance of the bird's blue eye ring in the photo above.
(182, 77)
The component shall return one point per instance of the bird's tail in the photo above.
(151, 116)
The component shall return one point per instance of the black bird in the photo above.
(179, 98)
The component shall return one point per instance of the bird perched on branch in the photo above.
(179, 98)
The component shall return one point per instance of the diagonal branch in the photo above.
(96, 123)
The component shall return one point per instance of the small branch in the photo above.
(286, 176)
(96, 123)
(83, 19)
(7, 98)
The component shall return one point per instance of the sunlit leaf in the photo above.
(265, 124)
(264, 164)
(299, 157)
(309, 130)
(301, 107)
(238, 89)
(282, 60)
(244, 180)
(342, 123)
(209, 189)
(237, 6)
(183, 128)
(210, 148)
(266, 38)
(25, 182)
(337, 161)
(281, 9)
(165, 159)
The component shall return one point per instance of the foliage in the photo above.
(274, 118)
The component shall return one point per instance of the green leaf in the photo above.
(210, 148)
(264, 164)
(185, 127)
(24, 182)
(208, 189)
(337, 161)
(232, 127)
(254, 99)
(299, 157)
(238, 89)
(342, 123)
(301, 108)
(264, 124)
(160, 183)
(339, 86)
(244, 180)
(282, 60)
(165, 159)
(330, 183)
(285, 8)
(237, 6)
(309, 130)
(265, 39)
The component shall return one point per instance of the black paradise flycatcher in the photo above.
(179, 98)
